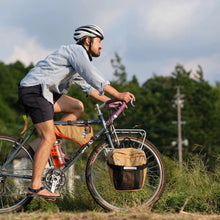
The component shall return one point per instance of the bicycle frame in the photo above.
(104, 129)
(17, 158)
(100, 121)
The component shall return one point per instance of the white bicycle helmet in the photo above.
(88, 31)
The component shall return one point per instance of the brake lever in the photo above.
(132, 102)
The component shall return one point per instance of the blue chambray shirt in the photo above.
(68, 65)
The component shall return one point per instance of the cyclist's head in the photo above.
(87, 31)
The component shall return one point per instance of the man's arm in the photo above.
(123, 96)
(95, 94)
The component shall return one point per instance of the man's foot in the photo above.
(42, 192)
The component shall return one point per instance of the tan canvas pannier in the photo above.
(81, 134)
(127, 168)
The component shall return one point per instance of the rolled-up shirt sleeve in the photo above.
(88, 77)
(82, 84)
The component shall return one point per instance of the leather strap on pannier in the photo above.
(115, 167)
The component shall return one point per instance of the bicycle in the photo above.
(16, 157)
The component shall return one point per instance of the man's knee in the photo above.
(79, 108)
(49, 140)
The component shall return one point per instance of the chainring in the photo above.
(55, 179)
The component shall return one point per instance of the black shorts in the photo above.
(39, 109)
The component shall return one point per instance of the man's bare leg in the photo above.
(48, 138)
(74, 108)
(71, 106)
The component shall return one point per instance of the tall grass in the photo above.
(192, 189)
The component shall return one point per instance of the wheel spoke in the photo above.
(13, 186)
(102, 189)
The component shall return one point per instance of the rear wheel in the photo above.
(102, 189)
(15, 175)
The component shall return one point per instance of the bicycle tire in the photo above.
(13, 189)
(101, 188)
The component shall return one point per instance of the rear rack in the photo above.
(140, 133)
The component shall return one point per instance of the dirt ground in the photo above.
(109, 216)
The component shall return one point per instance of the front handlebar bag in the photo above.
(127, 168)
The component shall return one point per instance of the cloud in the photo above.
(20, 46)
(150, 36)
(28, 52)
(144, 70)
(210, 66)
(170, 19)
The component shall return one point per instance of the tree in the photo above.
(153, 107)
(199, 112)
(11, 75)
(120, 72)
(159, 114)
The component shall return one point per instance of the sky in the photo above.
(150, 36)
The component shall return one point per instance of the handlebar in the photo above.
(118, 111)
(110, 105)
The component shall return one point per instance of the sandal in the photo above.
(34, 193)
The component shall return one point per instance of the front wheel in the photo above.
(15, 174)
(102, 189)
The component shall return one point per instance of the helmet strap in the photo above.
(82, 43)
(90, 46)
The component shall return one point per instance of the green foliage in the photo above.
(9, 109)
(200, 113)
(154, 112)
(41, 205)
(120, 72)
(192, 188)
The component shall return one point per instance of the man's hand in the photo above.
(126, 96)
(123, 96)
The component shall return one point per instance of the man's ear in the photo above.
(87, 41)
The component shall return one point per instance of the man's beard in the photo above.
(95, 54)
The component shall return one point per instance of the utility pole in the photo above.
(179, 104)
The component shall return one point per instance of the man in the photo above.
(42, 92)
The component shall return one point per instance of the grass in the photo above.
(191, 189)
